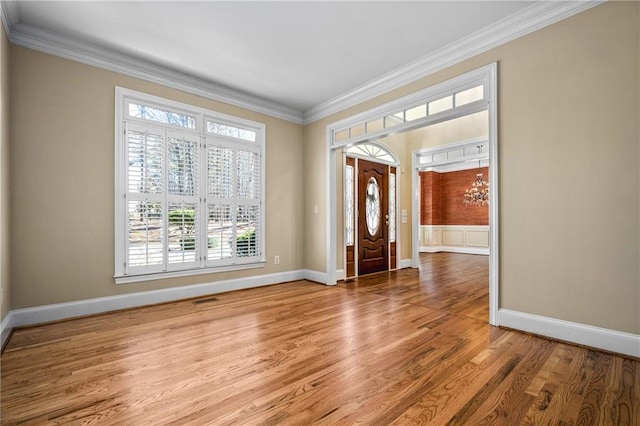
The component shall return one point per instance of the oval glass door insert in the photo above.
(372, 206)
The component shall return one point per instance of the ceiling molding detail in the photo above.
(43, 41)
(531, 19)
(9, 14)
(535, 17)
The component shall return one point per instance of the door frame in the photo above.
(395, 163)
(488, 77)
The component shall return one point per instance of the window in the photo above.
(189, 189)
(424, 109)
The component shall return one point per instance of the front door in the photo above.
(373, 217)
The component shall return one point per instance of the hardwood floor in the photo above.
(407, 347)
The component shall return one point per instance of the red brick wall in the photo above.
(430, 200)
(442, 195)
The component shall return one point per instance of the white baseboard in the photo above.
(463, 250)
(5, 328)
(59, 311)
(340, 274)
(405, 263)
(581, 334)
(315, 276)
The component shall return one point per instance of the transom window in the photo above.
(371, 151)
(429, 108)
(189, 189)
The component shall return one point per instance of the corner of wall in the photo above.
(5, 287)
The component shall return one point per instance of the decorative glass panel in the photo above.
(470, 95)
(145, 162)
(145, 223)
(393, 120)
(440, 105)
(356, 131)
(182, 238)
(372, 151)
(415, 113)
(231, 131)
(376, 125)
(182, 159)
(150, 113)
(426, 159)
(372, 206)
(342, 135)
(348, 205)
(392, 207)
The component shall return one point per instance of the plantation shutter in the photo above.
(183, 227)
(233, 202)
(248, 232)
(145, 185)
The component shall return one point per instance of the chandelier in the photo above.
(478, 194)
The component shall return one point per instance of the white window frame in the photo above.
(123, 274)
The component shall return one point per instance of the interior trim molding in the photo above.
(315, 276)
(454, 249)
(5, 328)
(60, 311)
(533, 18)
(581, 334)
(405, 263)
(89, 54)
(9, 15)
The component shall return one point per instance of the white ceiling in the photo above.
(295, 54)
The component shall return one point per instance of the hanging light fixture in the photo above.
(478, 194)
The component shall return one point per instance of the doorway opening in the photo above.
(468, 94)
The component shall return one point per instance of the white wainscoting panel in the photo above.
(477, 239)
(454, 238)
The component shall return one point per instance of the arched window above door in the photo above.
(373, 152)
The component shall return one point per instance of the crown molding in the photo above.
(533, 18)
(9, 15)
(89, 54)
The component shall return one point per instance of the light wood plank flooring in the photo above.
(407, 347)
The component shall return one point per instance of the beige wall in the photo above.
(5, 285)
(568, 107)
(568, 163)
(62, 174)
(457, 130)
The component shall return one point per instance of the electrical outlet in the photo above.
(276, 260)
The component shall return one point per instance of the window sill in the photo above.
(126, 279)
